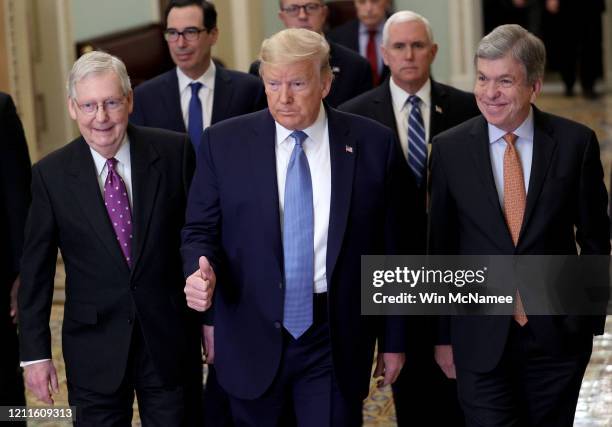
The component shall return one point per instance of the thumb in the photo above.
(204, 266)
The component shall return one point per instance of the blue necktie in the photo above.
(196, 126)
(298, 241)
(417, 146)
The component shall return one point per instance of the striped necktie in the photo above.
(417, 145)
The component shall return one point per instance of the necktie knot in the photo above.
(414, 100)
(195, 88)
(372, 33)
(299, 137)
(111, 163)
(510, 138)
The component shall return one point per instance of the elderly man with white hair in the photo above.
(112, 201)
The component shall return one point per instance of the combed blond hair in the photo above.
(295, 45)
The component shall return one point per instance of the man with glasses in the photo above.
(352, 75)
(113, 202)
(197, 93)
(364, 34)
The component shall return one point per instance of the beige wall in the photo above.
(4, 74)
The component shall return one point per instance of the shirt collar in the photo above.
(315, 131)
(364, 30)
(399, 96)
(122, 156)
(524, 131)
(207, 79)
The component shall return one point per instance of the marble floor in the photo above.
(595, 404)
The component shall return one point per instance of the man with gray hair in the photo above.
(417, 108)
(516, 181)
(283, 204)
(112, 201)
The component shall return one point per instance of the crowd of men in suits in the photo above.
(251, 199)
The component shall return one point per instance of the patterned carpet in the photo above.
(595, 404)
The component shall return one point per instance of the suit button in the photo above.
(130, 320)
(280, 285)
(277, 325)
(133, 287)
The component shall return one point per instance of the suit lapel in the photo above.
(383, 106)
(342, 170)
(86, 190)
(543, 150)
(263, 155)
(222, 97)
(439, 104)
(171, 101)
(145, 183)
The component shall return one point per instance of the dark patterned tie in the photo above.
(417, 146)
(118, 208)
(196, 125)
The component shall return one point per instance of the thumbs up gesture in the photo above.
(200, 286)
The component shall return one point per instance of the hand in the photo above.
(444, 358)
(552, 6)
(14, 290)
(208, 341)
(389, 365)
(200, 286)
(41, 379)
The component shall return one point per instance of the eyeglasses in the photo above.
(109, 105)
(293, 10)
(189, 34)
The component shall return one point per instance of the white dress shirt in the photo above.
(402, 108)
(123, 168)
(316, 148)
(364, 37)
(205, 94)
(524, 146)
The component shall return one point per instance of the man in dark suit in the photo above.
(113, 202)
(15, 180)
(364, 35)
(284, 203)
(197, 93)
(517, 181)
(409, 50)
(352, 75)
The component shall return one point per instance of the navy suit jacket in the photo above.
(157, 102)
(566, 191)
(352, 74)
(233, 219)
(347, 35)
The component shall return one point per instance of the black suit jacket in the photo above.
(104, 298)
(566, 190)
(157, 102)
(347, 35)
(449, 108)
(15, 180)
(233, 219)
(352, 75)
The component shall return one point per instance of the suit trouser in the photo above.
(11, 379)
(305, 377)
(158, 405)
(423, 395)
(529, 387)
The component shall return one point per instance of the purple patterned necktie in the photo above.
(118, 208)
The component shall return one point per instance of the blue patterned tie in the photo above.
(417, 145)
(298, 241)
(196, 126)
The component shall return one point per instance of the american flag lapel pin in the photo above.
(348, 149)
(438, 109)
